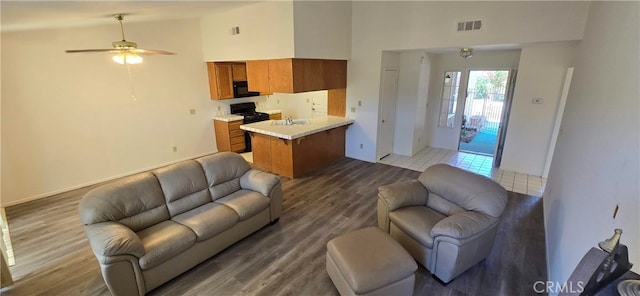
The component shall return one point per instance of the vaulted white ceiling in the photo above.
(29, 15)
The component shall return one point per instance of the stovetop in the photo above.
(248, 110)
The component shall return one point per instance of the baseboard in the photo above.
(74, 187)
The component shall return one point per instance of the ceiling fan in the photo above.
(126, 52)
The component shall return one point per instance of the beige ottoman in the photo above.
(369, 262)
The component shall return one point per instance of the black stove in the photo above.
(248, 111)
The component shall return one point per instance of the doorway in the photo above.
(388, 100)
(484, 108)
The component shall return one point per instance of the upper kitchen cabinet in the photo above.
(221, 78)
(296, 75)
(258, 76)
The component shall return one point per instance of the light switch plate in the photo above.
(353, 109)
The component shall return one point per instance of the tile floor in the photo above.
(481, 164)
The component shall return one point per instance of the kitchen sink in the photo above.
(292, 122)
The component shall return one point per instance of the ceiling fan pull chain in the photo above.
(133, 92)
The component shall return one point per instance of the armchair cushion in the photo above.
(417, 222)
(113, 239)
(463, 225)
(403, 194)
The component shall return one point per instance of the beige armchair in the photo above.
(447, 219)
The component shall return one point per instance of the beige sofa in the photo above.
(447, 219)
(149, 228)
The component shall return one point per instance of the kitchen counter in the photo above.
(290, 132)
(270, 112)
(228, 117)
(295, 150)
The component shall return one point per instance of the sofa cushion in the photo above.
(417, 222)
(223, 171)
(245, 203)
(136, 202)
(184, 186)
(164, 241)
(208, 220)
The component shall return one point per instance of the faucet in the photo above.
(288, 121)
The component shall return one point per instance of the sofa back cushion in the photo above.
(467, 190)
(184, 186)
(223, 171)
(136, 202)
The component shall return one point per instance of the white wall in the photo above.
(414, 68)
(266, 32)
(420, 124)
(70, 119)
(298, 105)
(322, 29)
(596, 164)
(378, 26)
(541, 74)
(447, 137)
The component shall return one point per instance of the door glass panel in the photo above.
(449, 101)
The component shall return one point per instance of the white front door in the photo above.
(387, 118)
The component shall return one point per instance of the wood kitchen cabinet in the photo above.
(297, 157)
(296, 75)
(258, 76)
(229, 136)
(276, 116)
(221, 78)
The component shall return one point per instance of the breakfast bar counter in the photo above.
(292, 150)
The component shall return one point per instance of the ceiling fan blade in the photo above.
(91, 50)
(150, 51)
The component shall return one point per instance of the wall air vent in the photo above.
(469, 25)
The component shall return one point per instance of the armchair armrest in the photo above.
(259, 181)
(463, 225)
(110, 239)
(403, 194)
(394, 196)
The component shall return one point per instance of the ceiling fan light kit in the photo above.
(126, 52)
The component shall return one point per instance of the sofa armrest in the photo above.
(267, 184)
(112, 239)
(463, 225)
(259, 181)
(403, 194)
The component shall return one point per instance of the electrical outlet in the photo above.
(307, 100)
(278, 101)
(192, 111)
(361, 146)
(359, 103)
(353, 109)
(175, 148)
(219, 108)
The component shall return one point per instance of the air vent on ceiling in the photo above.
(469, 25)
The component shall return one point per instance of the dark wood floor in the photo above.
(54, 257)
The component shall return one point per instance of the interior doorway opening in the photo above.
(486, 99)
